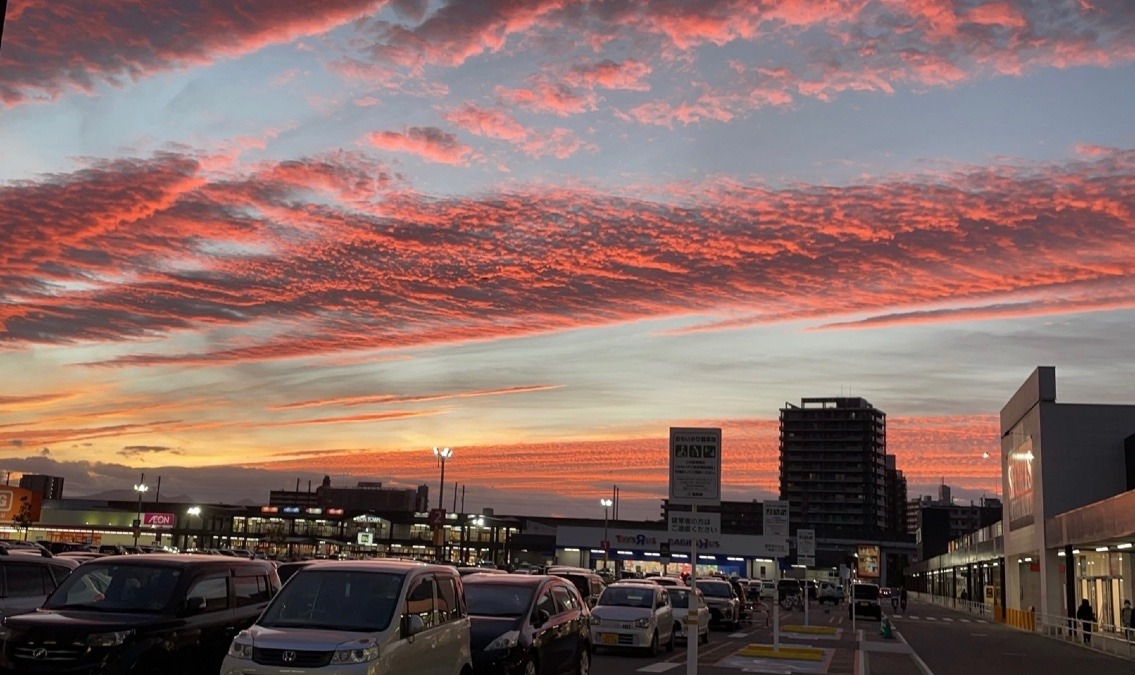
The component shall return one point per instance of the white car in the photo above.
(634, 615)
(359, 618)
(680, 601)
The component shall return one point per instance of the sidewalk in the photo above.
(882, 656)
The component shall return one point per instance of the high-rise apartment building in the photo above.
(833, 467)
(51, 487)
(896, 498)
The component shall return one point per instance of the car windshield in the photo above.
(497, 599)
(628, 596)
(864, 592)
(716, 590)
(679, 597)
(111, 587)
(346, 600)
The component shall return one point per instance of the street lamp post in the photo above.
(442, 454)
(606, 504)
(192, 511)
(141, 488)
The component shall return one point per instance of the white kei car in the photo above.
(634, 615)
(680, 601)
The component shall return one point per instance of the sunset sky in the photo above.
(245, 242)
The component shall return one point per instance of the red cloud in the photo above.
(495, 123)
(610, 75)
(545, 97)
(53, 47)
(429, 143)
(334, 259)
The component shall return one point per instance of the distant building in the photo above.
(833, 469)
(938, 522)
(371, 496)
(896, 498)
(51, 487)
(736, 517)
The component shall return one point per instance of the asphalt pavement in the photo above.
(927, 640)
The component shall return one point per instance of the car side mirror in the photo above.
(412, 624)
(540, 617)
(194, 604)
(591, 601)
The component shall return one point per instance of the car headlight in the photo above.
(595, 621)
(111, 639)
(355, 655)
(643, 622)
(240, 650)
(506, 641)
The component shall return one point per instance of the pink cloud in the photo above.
(429, 143)
(53, 47)
(610, 74)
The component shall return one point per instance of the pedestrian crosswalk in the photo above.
(944, 619)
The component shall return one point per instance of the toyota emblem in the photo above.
(39, 653)
(288, 656)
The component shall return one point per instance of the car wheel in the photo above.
(673, 637)
(653, 648)
(584, 667)
(530, 667)
(704, 637)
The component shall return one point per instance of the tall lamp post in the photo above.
(192, 511)
(141, 488)
(606, 504)
(442, 454)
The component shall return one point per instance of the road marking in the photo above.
(946, 618)
(861, 663)
(658, 667)
(964, 620)
(930, 618)
(738, 635)
(917, 659)
(980, 634)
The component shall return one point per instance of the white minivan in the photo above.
(360, 617)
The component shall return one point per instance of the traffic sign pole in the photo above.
(692, 607)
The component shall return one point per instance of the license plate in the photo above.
(864, 604)
(609, 638)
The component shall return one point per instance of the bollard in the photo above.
(885, 629)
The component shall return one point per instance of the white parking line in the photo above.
(917, 659)
(738, 635)
(658, 667)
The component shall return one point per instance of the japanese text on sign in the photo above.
(695, 466)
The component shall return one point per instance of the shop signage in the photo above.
(695, 466)
(364, 538)
(636, 540)
(159, 519)
(774, 549)
(867, 564)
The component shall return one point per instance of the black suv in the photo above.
(140, 614)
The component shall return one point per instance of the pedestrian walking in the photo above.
(902, 599)
(1125, 619)
(1087, 617)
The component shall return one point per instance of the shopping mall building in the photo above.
(1068, 525)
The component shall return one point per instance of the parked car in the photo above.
(526, 624)
(28, 576)
(813, 588)
(724, 605)
(286, 569)
(634, 615)
(865, 601)
(788, 587)
(830, 593)
(359, 616)
(589, 584)
(668, 581)
(139, 614)
(680, 601)
(466, 571)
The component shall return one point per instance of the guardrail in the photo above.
(1104, 637)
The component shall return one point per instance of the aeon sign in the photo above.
(159, 519)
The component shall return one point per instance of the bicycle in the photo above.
(791, 602)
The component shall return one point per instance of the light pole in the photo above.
(606, 504)
(442, 454)
(141, 488)
(192, 511)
